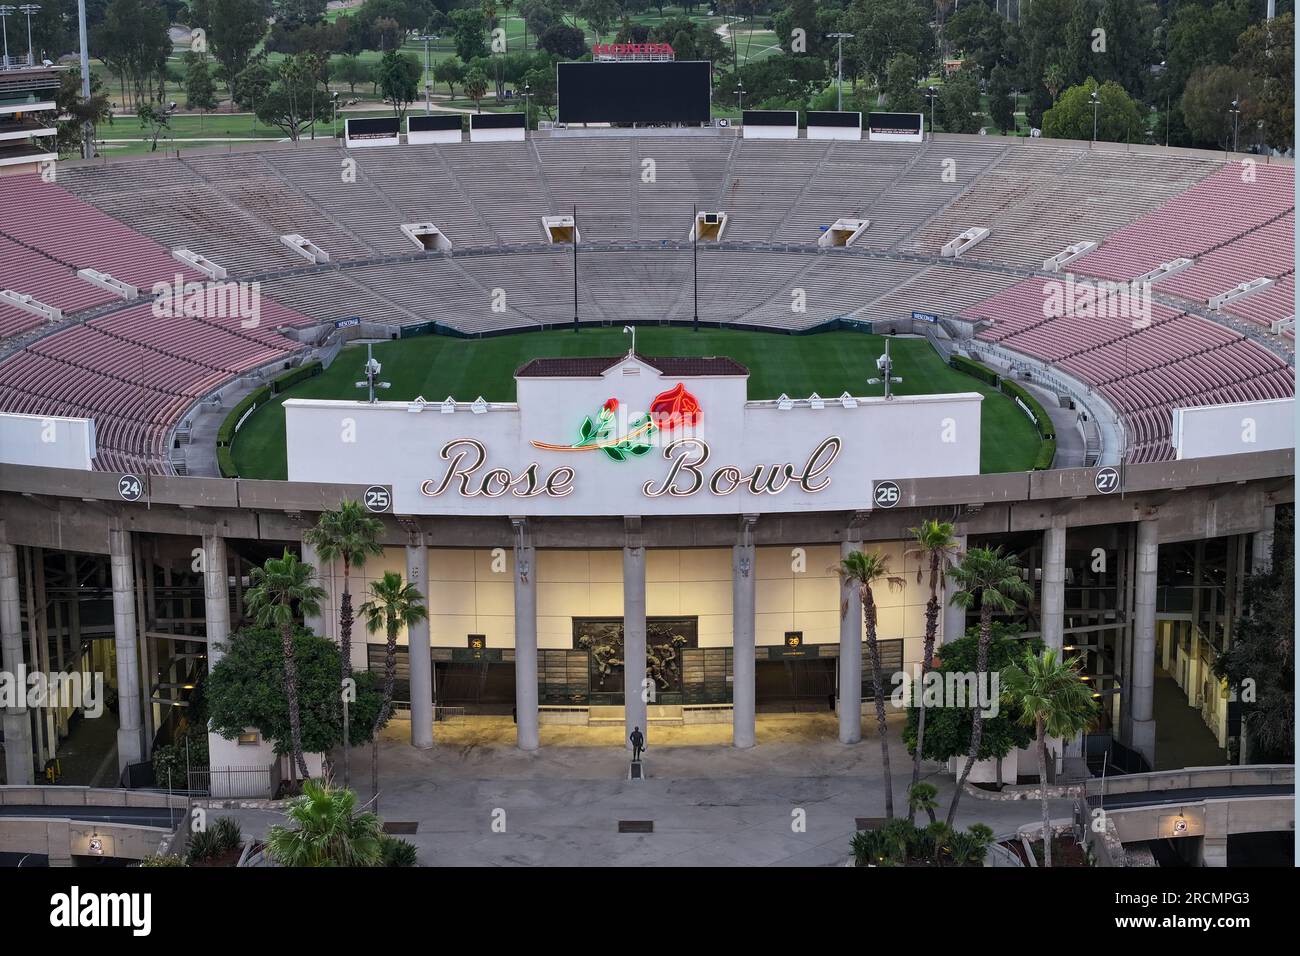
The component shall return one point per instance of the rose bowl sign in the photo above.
(632, 435)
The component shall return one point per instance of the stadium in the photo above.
(1079, 353)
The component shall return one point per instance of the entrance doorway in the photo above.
(481, 687)
(795, 686)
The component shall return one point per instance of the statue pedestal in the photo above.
(635, 770)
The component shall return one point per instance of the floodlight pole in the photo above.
(695, 265)
(1096, 103)
(428, 87)
(1236, 116)
(839, 69)
(29, 9)
(5, 11)
(575, 267)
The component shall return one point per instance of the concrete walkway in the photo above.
(790, 801)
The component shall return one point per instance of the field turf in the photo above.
(828, 363)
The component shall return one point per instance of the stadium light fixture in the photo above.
(29, 9)
(740, 96)
(931, 94)
(428, 87)
(839, 69)
(6, 11)
(885, 365)
(1096, 105)
(371, 370)
(1235, 112)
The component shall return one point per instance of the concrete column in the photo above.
(325, 624)
(953, 617)
(634, 627)
(143, 613)
(850, 656)
(1261, 545)
(19, 767)
(743, 575)
(34, 653)
(130, 740)
(1053, 600)
(417, 640)
(1144, 640)
(527, 735)
(216, 600)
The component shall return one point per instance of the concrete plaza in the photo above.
(479, 801)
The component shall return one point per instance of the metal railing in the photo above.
(231, 782)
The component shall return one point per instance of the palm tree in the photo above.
(992, 578)
(351, 534)
(863, 571)
(274, 588)
(329, 832)
(1054, 700)
(393, 604)
(936, 545)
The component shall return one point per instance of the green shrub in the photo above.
(1041, 419)
(1046, 454)
(979, 371)
(226, 433)
(159, 859)
(397, 852)
(227, 834)
(289, 379)
(203, 846)
(226, 462)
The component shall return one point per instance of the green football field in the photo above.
(828, 363)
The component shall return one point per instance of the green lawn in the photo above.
(829, 363)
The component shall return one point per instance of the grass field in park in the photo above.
(828, 363)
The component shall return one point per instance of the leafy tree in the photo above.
(885, 28)
(351, 69)
(865, 571)
(294, 13)
(398, 76)
(75, 112)
(902, 95)
(563, 41)
(133, 41)
(1260, 663)
(246, 689)
(476, 87)
(350, 534)
(1266, 52)
(200, 91)
(393, 605)
(1118, 117)
(450, 71)
(237, 27)
(1203, 35)
(469, 33)
(1002, 107)
(154, 119)
(289, 95)
(937, 548)
(948, 729)
(992, 579)
(1128, 27)
(981, 35)
(1054, 700)
(541, 92)
(327, 831)
(599, 14)
(1207, 102)
(276, 587)
(959, 102)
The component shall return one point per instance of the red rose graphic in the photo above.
(611, 405)
(674, 408)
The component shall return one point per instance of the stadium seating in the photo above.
(137, 373)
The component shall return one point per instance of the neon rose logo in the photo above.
(671, 410)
